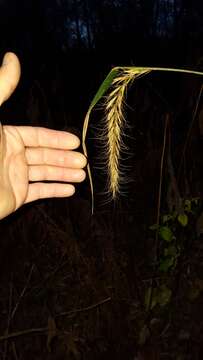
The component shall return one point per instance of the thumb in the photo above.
(9, 76)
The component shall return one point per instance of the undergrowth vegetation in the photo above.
(126, 281)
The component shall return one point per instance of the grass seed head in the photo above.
(115, 123)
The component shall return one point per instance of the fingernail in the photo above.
(72, 190)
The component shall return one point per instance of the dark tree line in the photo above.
(108, 25)
(75, 42)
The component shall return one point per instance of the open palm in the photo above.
(30, 155)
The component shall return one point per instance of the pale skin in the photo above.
(29, 155)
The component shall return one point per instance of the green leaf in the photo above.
(171, 251)
(104, 86)
(166, 264)
(188, 205)
(166, 233)
(164, 295)
(183, 219)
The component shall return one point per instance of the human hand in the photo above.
(30, 155)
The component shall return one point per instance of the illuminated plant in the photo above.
(116, 84)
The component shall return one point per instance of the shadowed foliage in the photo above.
(118, 284)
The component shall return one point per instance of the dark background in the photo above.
(54, 256)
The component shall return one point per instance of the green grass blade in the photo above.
(104, 86)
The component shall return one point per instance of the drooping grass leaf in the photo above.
(105, 86)
(101, 91)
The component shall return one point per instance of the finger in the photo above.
(71, 159)
(43, 137)
(41, 191)
(55, 173)
(9, 76)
